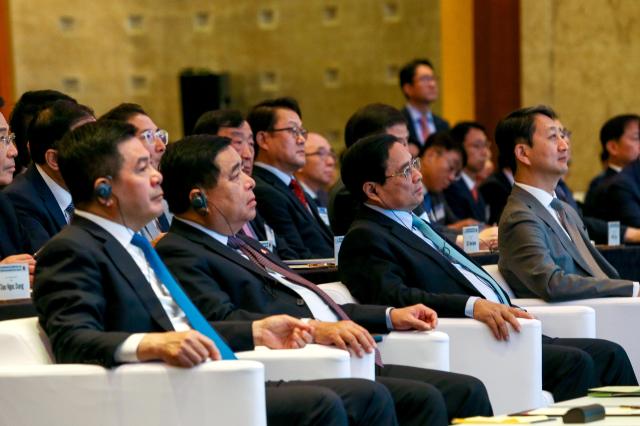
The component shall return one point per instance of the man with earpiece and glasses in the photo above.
(390, 256)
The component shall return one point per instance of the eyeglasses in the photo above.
(8, 140)
(406, 172)
(322, 153)
(295, 131)
(565, 133)
(149, 136)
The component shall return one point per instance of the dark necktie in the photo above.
(261, 260)
(453, 255)
(196, 319)
(163, 223)
(69, 211)
(573, 232)
(298, 192)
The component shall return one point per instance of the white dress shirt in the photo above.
(416, 116)
(62, 196)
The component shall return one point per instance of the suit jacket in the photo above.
(36, 207)
(12, 238)
(462, 204)
(213, 271)
(91, 296)
(590, 201)
(342, 208)
(383, 262)
(619, 197)
(440, 123)
(538, 259)
(303, 230)
(282, 248)
(495, 190)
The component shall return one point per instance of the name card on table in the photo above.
(613, 233)
(14, 281)
(337, 242)
(471, 239)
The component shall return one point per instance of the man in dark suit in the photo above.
(280, 139)
(230, 276)
(103, 296)
(391, 256)
(620, 140)
(368, 120)
(231, 124)
(419, 86)
(14, 246)
(463, 195)
(40, 196)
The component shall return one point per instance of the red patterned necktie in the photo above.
(256, 257)
(424, 128)
(474, 193)
(299, 192)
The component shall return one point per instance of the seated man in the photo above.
(544, 248)
(104, 297)
(463, 196)
(280, 139)
(155, 141)
(229, 276)
(620, 140)
(319, 171)
(231, 124)
(393, 257)
(14, 246)
(40, 196)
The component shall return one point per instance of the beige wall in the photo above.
(583, 58)
(334, 56)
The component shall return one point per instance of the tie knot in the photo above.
(234, 242)
(140, 241)
(556, 204)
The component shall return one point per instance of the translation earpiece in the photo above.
(103, 189)
(199, 202)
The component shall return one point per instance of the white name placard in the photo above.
(471, 239)
(613, 233)
(14, 281)
(337, 242)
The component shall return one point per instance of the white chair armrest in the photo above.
(231, 392)
(24, 343)
(423, 349)
(566, 321)
(56, 395)
(313, 362)
(511, 371)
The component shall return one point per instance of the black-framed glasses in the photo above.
(294, 131)
(322, 154)
(149, 136)
(406, 172)
(8, 140)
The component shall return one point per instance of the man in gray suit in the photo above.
(545, 250)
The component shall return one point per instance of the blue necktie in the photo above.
(197, 321)
(453, 254)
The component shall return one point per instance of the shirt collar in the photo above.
(541, 195)
(308, 190)
(468, 180)
(285, 178)
(401, 217)
(416, 115)
(62, 196)
(509, 175)
(618, 169)
(221, 238)
(118, 231)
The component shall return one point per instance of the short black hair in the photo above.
(366, 161)
(408, 71)
(613, 129)
(459, 132)
(24, 111)
(263, 116)
(90, 152)
(190, 163)
(518, 127)
(210, 122)
(371, 119)
(123, 112)
(51, 124)
(443, 141)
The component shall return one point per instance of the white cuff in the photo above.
(471, 303)
(128, 350)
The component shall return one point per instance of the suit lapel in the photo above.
(546, 217)
(47, 197)
(129, 270)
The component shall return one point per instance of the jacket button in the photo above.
(300, 302)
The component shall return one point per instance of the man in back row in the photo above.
(391, 256)
(104, 297)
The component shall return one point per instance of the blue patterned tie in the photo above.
(454, 255)
(197, 321)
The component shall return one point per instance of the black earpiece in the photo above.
(199, 202)
(103, 189)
